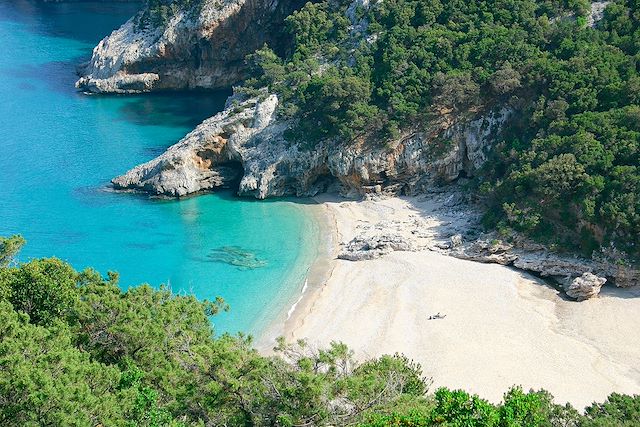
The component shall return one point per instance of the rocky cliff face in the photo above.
(249, 140)
(244, 147)
(200, 47)
(581, 277)
(203, 46)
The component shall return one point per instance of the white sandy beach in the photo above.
(501, 328)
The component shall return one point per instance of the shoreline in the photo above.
(316, 277)
(320, 272)
(502, 326)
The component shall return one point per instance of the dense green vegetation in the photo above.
(565, 172)
(76, 350)
(159, 12)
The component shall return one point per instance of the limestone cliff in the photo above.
(249, 137)
(244, 147)
(199, 47)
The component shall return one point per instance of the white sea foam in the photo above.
(293, 307)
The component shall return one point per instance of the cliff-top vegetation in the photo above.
(565, 171)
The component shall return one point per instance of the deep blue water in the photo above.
(60, 148)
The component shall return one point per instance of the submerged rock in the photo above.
(236, 256)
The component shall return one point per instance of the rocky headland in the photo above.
(246, 147)
(201, 46)
(250, 136)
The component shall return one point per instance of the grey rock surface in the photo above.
(200, 47)
(488, 251)
(248, 136)
(538, 259)
(371, 247)
(596, 13)
(586, 286)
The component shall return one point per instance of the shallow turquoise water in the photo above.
(59, 149)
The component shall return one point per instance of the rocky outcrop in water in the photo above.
(199, 47)
(247, 137)
(208, 157)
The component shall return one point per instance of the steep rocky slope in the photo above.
(245, 147)
(199, 47)
(249, 136)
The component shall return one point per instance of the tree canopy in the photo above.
(565, 171)
(96, 355)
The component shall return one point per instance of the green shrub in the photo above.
(567, 166)
(147, 357)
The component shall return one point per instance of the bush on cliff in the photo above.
(159, 12)
(565, 172)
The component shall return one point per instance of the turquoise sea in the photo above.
(60, 148)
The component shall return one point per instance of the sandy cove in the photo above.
(502, 327)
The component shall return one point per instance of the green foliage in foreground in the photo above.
(76, 350)
(567, 172)
(9, 247)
